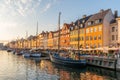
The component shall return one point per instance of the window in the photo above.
(89, 23)
(91, 30)
(99, 37)
(113, 29)
(95, 37)
(87, 37)
(81, 25)
(83, 21)
(71, 28)
(82, 31)
(96, 21)
(87, 30)
(95, 29)
(91, 38)
(76, 27)
(116, 37)
(113, 38)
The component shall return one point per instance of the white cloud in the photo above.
(24, 7)
(46, 7)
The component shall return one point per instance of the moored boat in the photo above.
(67, 61)
(9, 50)
(26, 55)
(35, 54)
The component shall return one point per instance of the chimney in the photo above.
(84, 16)
(115, 13)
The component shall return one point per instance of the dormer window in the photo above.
(81, 25)
(83, 21)
(96, 21)
(71, 28)
(100, 20)
(89, 23)
(76, 27)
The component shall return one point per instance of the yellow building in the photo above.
(77, 32)
(97, 29)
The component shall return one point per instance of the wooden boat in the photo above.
(68, 61)
(56, 58)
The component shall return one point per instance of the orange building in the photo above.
(50, 40)
(65, 36)
(55, 39)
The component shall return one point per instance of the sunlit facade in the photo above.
(65, 36)
(93, 31)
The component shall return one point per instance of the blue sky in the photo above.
(19, 16)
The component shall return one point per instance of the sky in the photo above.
(20, 16)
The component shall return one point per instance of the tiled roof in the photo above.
(80, 21)
(113, 21)
(99, 15)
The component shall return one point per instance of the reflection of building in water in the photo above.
(64, 75)
(90, 76)
(47, 66)
(94, 73)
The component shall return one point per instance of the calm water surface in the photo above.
(13, 67)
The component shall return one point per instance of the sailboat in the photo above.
(67, 58)
(35, 52)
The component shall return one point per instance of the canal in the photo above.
(13, 67)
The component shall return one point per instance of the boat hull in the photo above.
(70, 63)
(35, 55)
(26, 55)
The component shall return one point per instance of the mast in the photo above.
(78, 35)
(59, 31)
(36, 33)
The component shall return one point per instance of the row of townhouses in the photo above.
(98, 30)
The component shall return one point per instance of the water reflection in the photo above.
(13, 67)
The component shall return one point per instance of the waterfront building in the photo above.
(97, 29)
(29, 41)
(73, 36)
(11, 44)
(115, 31)
(77, 32)
(45, 40)
(65, 36)
(33, 42)
(55, 39)
(50, 40)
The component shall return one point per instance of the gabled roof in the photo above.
(79, 22)
(99, 15)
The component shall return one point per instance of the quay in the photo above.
(104, 62)
(108, 62)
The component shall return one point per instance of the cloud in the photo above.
(25, 7)
(46, 8)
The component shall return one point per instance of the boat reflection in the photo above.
(88, 73)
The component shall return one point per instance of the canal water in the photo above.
(13, 67)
